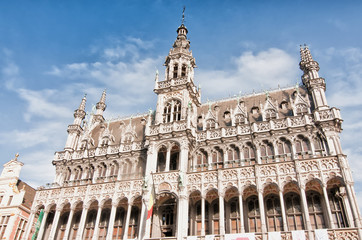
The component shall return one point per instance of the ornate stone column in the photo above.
(129, 209)
(241, 209)
(96, 226)
(168, 156)
(353, 205)
(202, 216)
(69, 223)
(326, 199)
(282, 206)
(111, 220)
(305, 211)
(262, 211)
(182, 217)
(55, 223)
(221, 214)
(42, 225)
(82, 222)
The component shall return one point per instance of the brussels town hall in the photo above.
(262, 166)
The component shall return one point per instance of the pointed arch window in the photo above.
(118, 224)
(294, 212)
(217, 158)
(302, 147)
(161, 159)
(201, 161)
(133, 223)
(249, 154)
(183, 70)
(315, 210)
(284, 150)
(254, 220)
(318, 146)
(234, 218)
(172, 111)
(267, 152)
(175, 70)
(337, 207)
(273, 213)
(233, 154)
(90, 223)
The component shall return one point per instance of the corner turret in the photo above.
(75, 129)
(315, 84)
(100, 107)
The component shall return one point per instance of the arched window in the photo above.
(217, 158)
(233, 157)
(302, 147)
(90, 173)
(234, 215)
(75, 225)
(114, 170)
(284, 150)
(172, 111)
(318, 146)
(227, 118)
(90, 223)
(315, 210)
(267, 152)
(254, 221)
(183, 70)
(168, 217)
(118, 224)
(337, 207)
(175, 70)
(273, 213)
(249, 154)
(161, 159)
(103, 223)
(294, 212)
(61, 226)
(215, 216)
(198, 218)
(201, 161)
(133, 223)
(174, 158)
(176, 110)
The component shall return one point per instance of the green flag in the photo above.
(37, 224)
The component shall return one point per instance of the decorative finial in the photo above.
(16, 156)
(297, 87)
(183, 16)
(267, 94)
(209, 103)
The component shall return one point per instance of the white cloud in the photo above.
(262, 70)
(39, 104)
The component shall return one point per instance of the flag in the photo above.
(240, 236)
(150, 206)
(321, 234)
(298, 235)
(274, 236)
(37, 225)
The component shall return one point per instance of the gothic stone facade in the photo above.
(258, 163)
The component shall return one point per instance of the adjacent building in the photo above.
(261, 163)
(16, 199)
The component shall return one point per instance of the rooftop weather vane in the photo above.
(183, 16)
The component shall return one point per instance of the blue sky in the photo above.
(52, 52)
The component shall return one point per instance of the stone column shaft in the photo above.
(284, 215)
(54, 224)
(202, 216)
(262, 211)
(111, 221)
(330, 217)
(82, 223)
(221, 216)
(129, 209)
(168, 156)
(96, 226)
(69, 224)
(241, 209)
(42, 226)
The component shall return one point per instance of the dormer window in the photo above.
(105, 142)
(172, 111)
(270, 114)
(175, 70)
(301, 109)
(239, 119)
(284, 105)
(83, 145)
(255, 110)
(210, 124)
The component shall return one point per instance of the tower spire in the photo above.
(100, 107)
(315, 84)
(183, 16)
